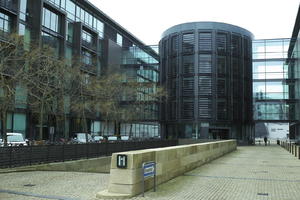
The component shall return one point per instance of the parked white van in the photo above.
(16, 139)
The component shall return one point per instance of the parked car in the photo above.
(124, 137)
(16, 139)
(81, 138)
(112, 138)
(98, 138)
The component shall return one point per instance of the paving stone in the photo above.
(250, 173)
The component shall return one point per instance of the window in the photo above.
(70, 31)
(221, 42)
(221, 85)
(20, 96)
(56, 2)
(51, 20)
(221, 110)
(23, 7)
(119, 39)
(205, 85)
(188, 86)
(70, 8)
(188, 43)
(69, 54)
(236, 43)
(86, 37)
(173, 67)
(221, 66)
(174, 45)
(205, 40)
(63, 4)
(204, 63)
(205, 107)
(5, 23)
(172, 110)
(188, 109)
(87, 58)
(78, 13)
(25, 33)
(188, 64)
(51, 41)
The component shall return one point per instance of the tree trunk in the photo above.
(84, 125)
(41, 121)
(130, 132)
(4, 128)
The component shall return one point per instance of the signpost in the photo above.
(149, 170)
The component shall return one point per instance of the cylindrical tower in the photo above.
(207, 70)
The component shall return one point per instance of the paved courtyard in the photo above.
(266, 173)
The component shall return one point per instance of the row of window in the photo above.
(205, 43)
(204, 66)
(77, 13)
(204, 109)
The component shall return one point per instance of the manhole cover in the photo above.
(29, 185)
(263, 194)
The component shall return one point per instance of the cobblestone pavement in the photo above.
(51, 185)
(250, 173)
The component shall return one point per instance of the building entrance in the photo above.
(219, 133)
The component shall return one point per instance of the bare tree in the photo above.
(11, 68)
(120, 100)
(43, 81)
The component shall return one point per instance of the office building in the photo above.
(207, 70)
(77, 29)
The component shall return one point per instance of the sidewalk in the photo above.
(250, 173)
(259, 172)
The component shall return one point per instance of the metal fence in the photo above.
(28, 155)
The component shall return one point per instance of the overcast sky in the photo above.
(148, 19)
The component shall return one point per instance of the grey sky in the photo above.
(148, 19)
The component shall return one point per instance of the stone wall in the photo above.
(171, 162)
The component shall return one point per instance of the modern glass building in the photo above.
(293, 62)
(207, 70)
(77, 29)
(273, 85)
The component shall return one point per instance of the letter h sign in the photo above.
(122, 161)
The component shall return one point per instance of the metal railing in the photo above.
(29, 155)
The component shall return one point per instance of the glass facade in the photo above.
(78, 13)
(141, 65)
(272, 85)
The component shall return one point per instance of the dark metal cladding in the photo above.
(207, 70)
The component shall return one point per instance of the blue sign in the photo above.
(149, 169)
